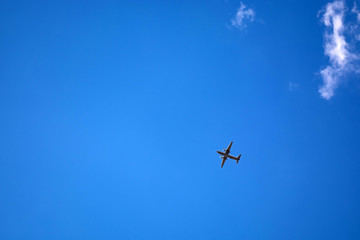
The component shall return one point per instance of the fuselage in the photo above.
(227, 155)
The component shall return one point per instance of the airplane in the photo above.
(226, 155)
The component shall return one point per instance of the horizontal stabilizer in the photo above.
(238, 158)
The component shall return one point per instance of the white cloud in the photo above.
(341, 60)
(243, 16)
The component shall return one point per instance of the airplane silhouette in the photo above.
(226, 155)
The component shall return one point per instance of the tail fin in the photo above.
(238, 158)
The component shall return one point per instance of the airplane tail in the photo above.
(238, 158)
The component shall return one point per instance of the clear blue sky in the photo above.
(112, 113)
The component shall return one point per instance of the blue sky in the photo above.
(112, 113)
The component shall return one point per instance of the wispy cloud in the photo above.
(356, 11)
(292, 86)
(355, 27)
(244, 15)
(335, 48)
(341, 60)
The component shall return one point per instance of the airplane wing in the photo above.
(228, 148)
(223, 161)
